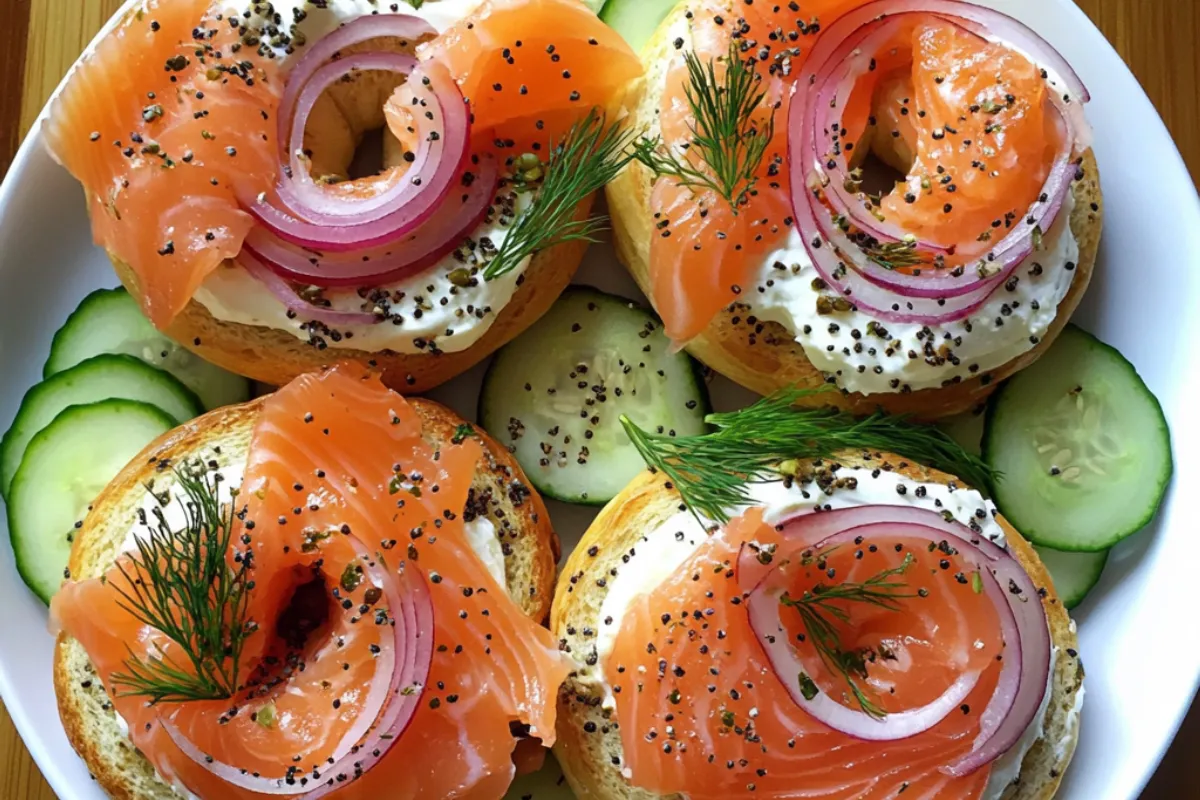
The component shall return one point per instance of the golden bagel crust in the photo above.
(499, 491)
(587, 759)
(764, 357)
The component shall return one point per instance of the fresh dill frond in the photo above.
(816, 608)
(727, 140)
(588, 157)
(712, 470)
(181, 584)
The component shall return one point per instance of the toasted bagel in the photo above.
(765, 356)
(588, 758)
(530, 546)
(341, 118)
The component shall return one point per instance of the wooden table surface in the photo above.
(39, 39)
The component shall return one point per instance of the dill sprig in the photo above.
(181, 584)
(712, 470)
(816, 608)
(725, 136)
(588, 157)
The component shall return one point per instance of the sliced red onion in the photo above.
(302, 195)
(1024, 628)
(838, 82)
(393, 697)
(405, 27)
(410, 677)
(304, 309)
(834, 85)
(987, 23)
(763, 606)
(327, 220)
(459, 213)
(934, 296)
(314, 73)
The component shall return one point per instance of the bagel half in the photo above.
(341, 118)
(529, 544)
(588, 759)
(764, 356)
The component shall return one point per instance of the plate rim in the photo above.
(22, 717)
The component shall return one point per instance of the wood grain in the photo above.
(1157, 38)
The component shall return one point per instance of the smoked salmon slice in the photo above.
(167, 123)
(982, 140)
(964, 120)
(703, 713)
(702, 243)
(336, 459)
(533, 68)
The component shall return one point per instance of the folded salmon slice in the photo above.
(333, 453)
(532, 68)
(702, 712)
(166, 123)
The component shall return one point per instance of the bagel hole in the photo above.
(346, 130)
(306, 613)
(368, 156)
(879, 176)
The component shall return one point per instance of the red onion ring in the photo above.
(433, 239)
(326, 221)
(303, 308)
(404, 664)
(299, 91)
(413, 672)
(936, 295)
(1024, 627)
(405, 27)
(835, 95)
(837, 81)
(302, 196)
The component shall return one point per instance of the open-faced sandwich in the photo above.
(790, 610)
(218, 151)
(330, 590)
(897, 198)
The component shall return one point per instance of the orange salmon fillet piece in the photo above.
(703, 713)
(166, 125)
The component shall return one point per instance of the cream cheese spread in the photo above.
(870, 356)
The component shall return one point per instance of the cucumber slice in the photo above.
(555, 394)
(1074, 574)
(65, 467)
(1082, 444)
(636, 20)
(99, 378)
(110, 321)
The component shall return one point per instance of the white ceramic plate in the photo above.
(1136, 633)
